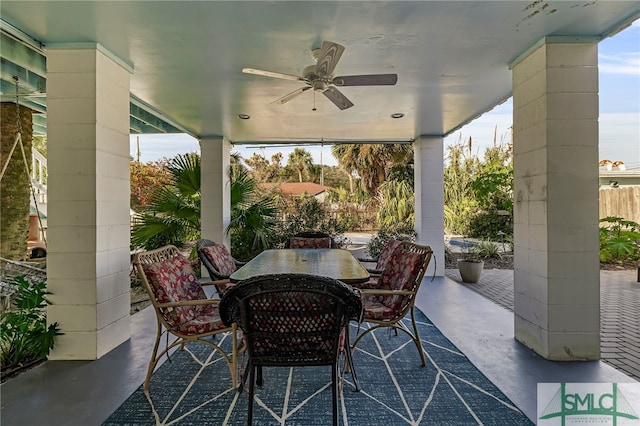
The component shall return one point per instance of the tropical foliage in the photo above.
(372, 162)
(619, 240)
(173, 216)
(306, 213)
(24, 335)
(387, 233)
(396, 204)
(300, 160)
(146, 179)
(263, 170)
(478, 194)
(253, 217)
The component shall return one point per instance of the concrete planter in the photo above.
(470, 271)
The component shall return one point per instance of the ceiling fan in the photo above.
(319, 77)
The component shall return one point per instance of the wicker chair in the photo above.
(218, 261)
(292, 320)
(383, 257)
(311, 240)
(181, 306)
(395, 293)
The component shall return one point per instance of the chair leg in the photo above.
(243, 379)
(252, 377)
(259, 380)
(234, 353)
(334, 390)
(153, 361)
(350, 366)
(416, 337)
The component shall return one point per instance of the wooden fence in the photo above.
(623, 201)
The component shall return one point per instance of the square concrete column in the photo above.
(88, 254)
(429, 198)
(557, 269)
(216, 189)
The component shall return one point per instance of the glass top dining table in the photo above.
(333, 263)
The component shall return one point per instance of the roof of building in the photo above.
(296, 188)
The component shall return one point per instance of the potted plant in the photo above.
(470, 264)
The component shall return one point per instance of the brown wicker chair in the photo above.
(395, 292)
(182, 308)
(312, 240)
(383, 257)
(218, 261)
(292, 320)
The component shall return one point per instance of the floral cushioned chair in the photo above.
(395, 292)
(311, 240)
(182, 308)
(219, 263)
(292, 320)
(381, 262)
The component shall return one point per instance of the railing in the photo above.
(39, 176)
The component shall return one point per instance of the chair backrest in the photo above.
(404, 271)
(386, 253)
(311, 240)
(216, 258)
(168, 277)
(291, 319)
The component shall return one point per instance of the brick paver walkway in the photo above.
(619, 312)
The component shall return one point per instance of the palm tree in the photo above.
(346, 159)
(174, 215)
(300, 159)
(253, 217)
(373, 162)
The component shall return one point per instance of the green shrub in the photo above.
(619, 239)
(378, 241)
(306, 213)
(487, 249)
(24, 335)
(488, 225)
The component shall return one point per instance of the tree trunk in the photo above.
(14, 187)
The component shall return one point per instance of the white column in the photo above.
(555, 123)
(429, 198)
(215, 186)
(88, 253)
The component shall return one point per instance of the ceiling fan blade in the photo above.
(337, 98)
(366, 80)
(272, 74)
(328, 58)
(289, 96)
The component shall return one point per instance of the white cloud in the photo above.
(622, 63)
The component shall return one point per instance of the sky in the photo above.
(619, 123)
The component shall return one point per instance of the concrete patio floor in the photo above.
(87, 392)
(619, 312)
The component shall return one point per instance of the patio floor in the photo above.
(619, 312)
(87, 392)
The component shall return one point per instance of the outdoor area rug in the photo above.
(195, 389)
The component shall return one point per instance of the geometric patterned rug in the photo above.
(195, 389)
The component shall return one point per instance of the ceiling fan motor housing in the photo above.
(319, 77)
(319, 85)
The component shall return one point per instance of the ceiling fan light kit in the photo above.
(320, 78)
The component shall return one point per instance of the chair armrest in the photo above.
(375, 272)
(189, 303)
(239, 263)
(387, 292)
(215, 282)
(367, 260)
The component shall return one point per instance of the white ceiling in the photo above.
(452, 57)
